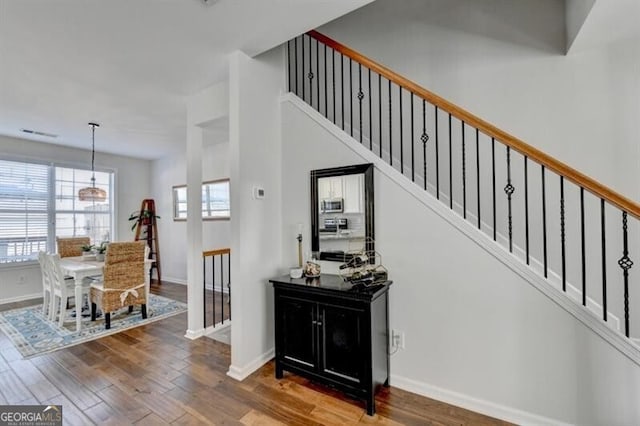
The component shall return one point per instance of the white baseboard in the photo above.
(194, 334)
(218, 327)
(20, 298)
(470, 403)
(175, 280)
(241, 373)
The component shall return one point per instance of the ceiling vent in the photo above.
(38, 133)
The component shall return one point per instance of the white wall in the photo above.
(254, 124)
(169, 172)
(474, 331)
(132, 186)
(503, 61)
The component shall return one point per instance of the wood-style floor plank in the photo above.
(153, 375)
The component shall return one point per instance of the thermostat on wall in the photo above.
(258, 193)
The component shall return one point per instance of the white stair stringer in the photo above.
(627, 347)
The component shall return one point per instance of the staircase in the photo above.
(571, 231)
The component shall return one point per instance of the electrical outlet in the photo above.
(21, 279)
(397, 339)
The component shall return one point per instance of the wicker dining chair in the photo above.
(123, 282)
(71, 247)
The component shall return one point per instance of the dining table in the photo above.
(82, 267)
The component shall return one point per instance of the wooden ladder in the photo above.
(147, 230)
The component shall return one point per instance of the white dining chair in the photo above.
(61, 290)
(46, 284)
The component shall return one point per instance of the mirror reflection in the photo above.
(341, 217)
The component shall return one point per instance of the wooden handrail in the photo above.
(216, 252)
(569, 173)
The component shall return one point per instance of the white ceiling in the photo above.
(129, 64)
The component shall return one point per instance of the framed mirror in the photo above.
(341, 211)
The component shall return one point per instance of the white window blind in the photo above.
(24, 205)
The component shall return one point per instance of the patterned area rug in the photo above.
(32, 334)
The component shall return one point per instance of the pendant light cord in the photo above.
(93, 153)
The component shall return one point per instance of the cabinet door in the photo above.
(341, 356)
(298, 331)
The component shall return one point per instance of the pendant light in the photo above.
(91, 193)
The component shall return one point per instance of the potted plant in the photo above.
(142, 217)
(87, 250)
(100, 251)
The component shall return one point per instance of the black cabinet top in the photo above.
(332, 284)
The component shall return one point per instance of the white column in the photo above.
(195, 326)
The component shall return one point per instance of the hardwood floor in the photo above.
(152, 375)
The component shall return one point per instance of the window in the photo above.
(40, 201)
(215, 200)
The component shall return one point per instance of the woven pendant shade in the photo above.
(91, 193)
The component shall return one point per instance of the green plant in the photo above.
(87, 248)
(141, 217)
(102, 248)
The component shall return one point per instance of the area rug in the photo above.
(32, 334)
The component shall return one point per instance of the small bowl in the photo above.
(295, 272)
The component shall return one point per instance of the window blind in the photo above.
(24, 205)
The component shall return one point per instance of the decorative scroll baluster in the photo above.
(302, 75)
(509, 190)
(360, 97)
(310, 75)
(604, 259)
(625, 263)
(563, 236)
(424, 138)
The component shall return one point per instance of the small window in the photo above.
(215, 201)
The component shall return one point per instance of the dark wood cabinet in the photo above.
(332, 333)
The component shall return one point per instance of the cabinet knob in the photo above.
(318, 323)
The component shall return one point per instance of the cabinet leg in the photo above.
(371, 405)
(279, 373)
(386, 383)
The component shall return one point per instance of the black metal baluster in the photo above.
(493, 183)
(204, 290)
(437, 154)
(390, 130)
(370, 118)
(464, 173)
(326, 113)
(333, 85)
(424, 138)
(401, 141)
(563, 236)
(625, 263)
(213, 282)
(342, 87)
(229, 280)
(582, 243)
(413, 141)
(289, 65)
(318, 73)
(360, 96)
(295, 51)
(604, 259)
(221, 290)
(478, 175)
(351, 95)
(310, 75)
(526, 207)
(544, 223)
(302, 74)
(509, 190)
(380, 114)
(450, 167)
